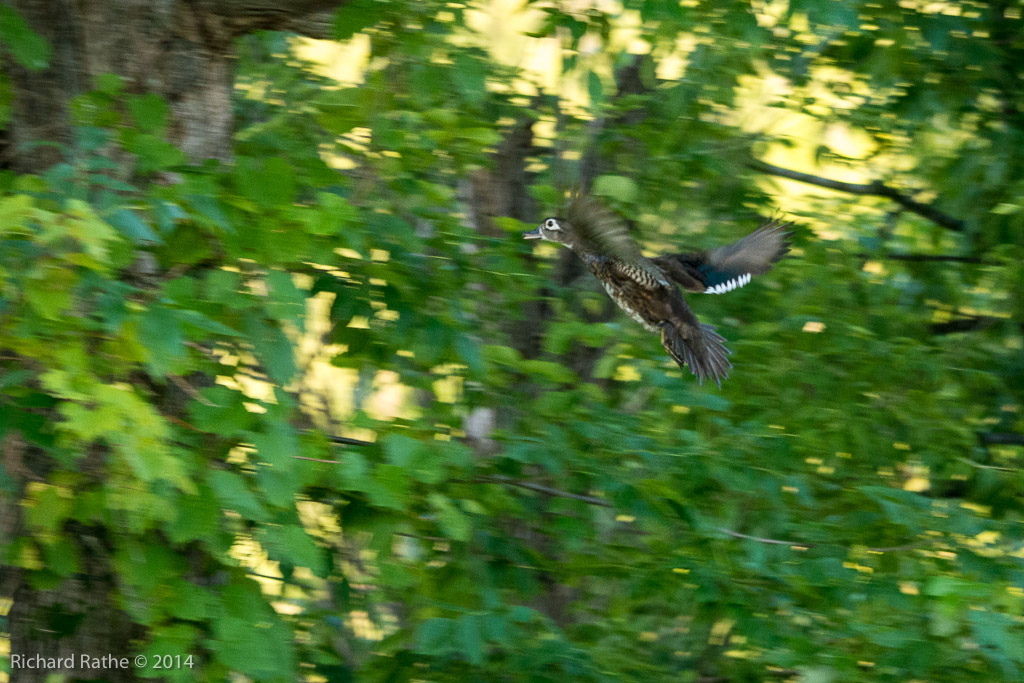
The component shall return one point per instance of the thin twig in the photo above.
(497, 479)
(348, 441)
(799, 544)
(771, 541)
(326, 462)
(982, 466)
(435, 539)
(601, 502)
(539, 488)
(190, 390)
(182, 423)
(875, 188)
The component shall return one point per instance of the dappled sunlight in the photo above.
(342, 61)
(284, 389)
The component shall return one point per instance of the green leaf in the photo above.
(521, 614)
(353, 471)
(161, 334)
(274, 348)
(596, 90)
(30, 49)
(452, 521)
(471, 640)
(435, 636)
(198, 517)
(49, 507)
(288, 302)
(332, 215)
(268, 182)
(470, 78)
(209, 208)
(942, 586)
(617, 187)
(62, 557)
(291, 542)
(819, 674)
(389, 487)
(549, 370)
(110, 84)
(355, 17)
(153, 152)
(402, 451)
(14, 378)
(233, 494)
(468, 351)
(149, 111)
(279, 485)
(133, 227)
(339, 111)
(945, 620)
(199, 321)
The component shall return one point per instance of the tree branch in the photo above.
(313, 18)
(925, 258)
(1001, 438)
(875, 189)
(970, 323)
(628, 81)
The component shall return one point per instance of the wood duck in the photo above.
(645, 288)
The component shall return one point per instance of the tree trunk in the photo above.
(180, 50)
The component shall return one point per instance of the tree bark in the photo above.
(180, 50)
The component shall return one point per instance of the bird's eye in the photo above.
(550, 224)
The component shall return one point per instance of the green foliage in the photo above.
(27, 47)
(829, 515)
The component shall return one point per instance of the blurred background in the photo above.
(284, 396)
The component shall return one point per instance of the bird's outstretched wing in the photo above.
(726, 268)
(754, 254)
(608, 234)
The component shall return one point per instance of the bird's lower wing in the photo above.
(683, 269)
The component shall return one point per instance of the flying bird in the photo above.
(646, 288)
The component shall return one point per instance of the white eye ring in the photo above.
(550, 224)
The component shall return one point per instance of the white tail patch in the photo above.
(729, 285)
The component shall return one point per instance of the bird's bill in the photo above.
(533, 235)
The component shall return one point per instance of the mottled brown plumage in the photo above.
(644, 288)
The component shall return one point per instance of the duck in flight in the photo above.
(646, 288)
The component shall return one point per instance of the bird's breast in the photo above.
(630, 306)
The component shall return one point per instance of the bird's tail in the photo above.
(699, 348)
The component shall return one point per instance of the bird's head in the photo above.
(553, 230)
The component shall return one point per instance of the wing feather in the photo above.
(723, 269)
(609, 235)
(754, 254)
